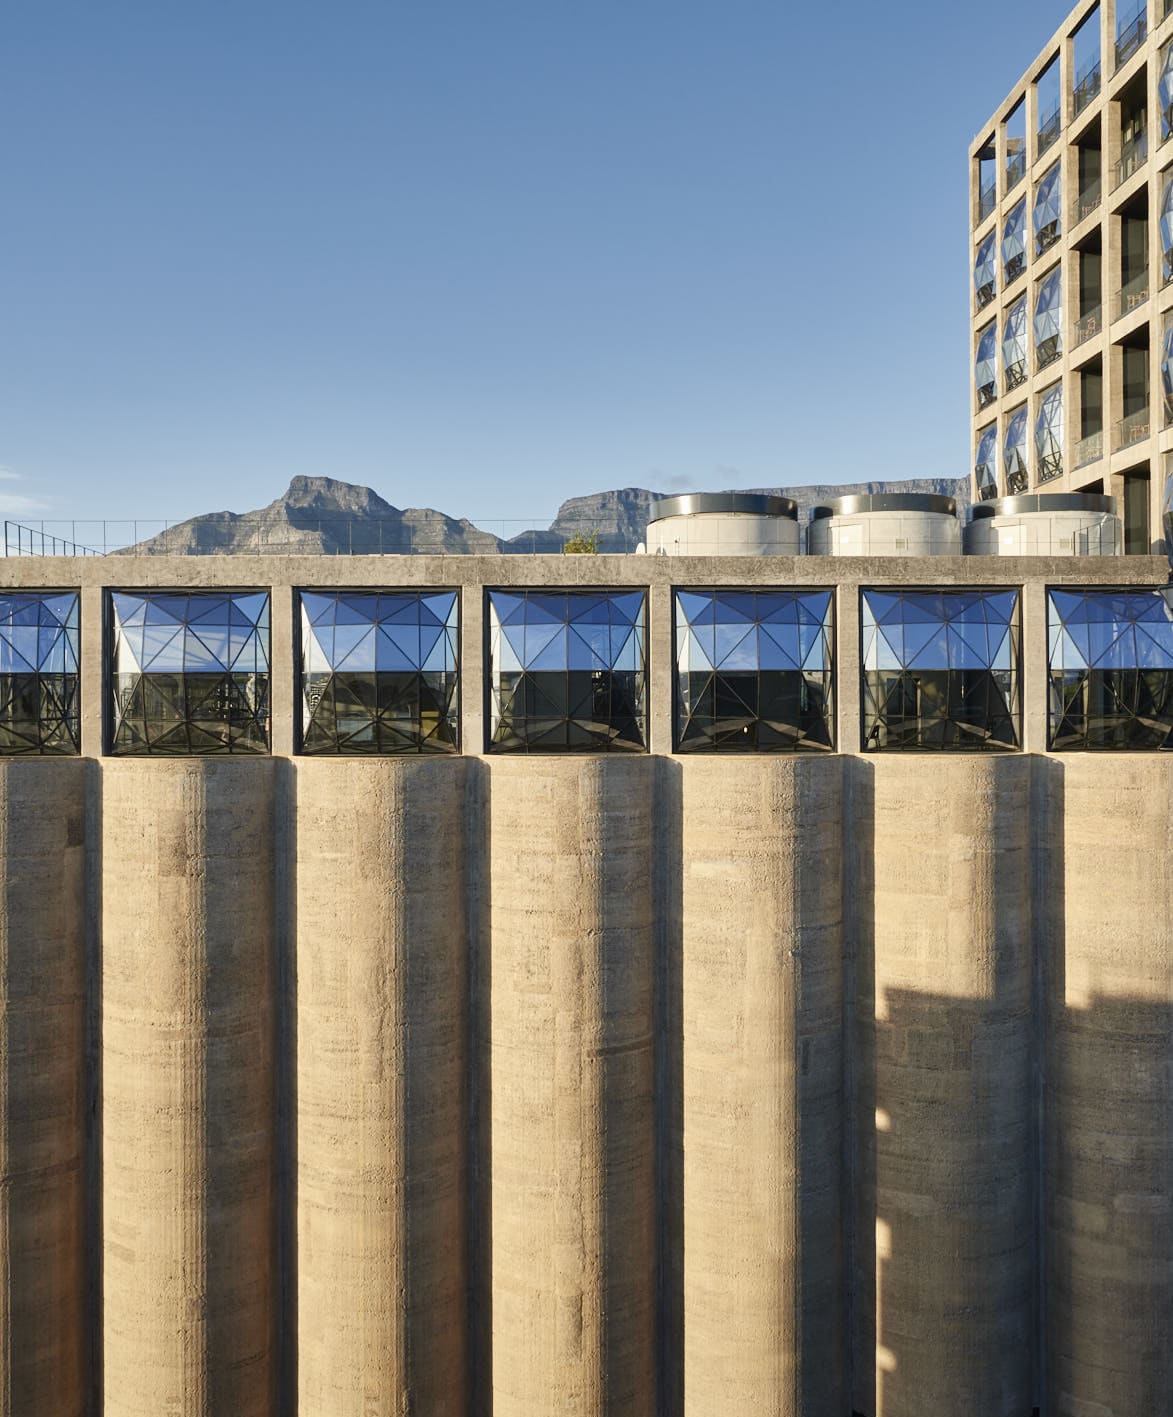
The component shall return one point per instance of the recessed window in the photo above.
(985, 272)
(190, 672)
(1014, 346)
(754, 671)
(1111, 669)
(567, 671)
(39, 713)
(1014, 244)
(1014, 454)
(1049, 319)
(941, 670)
(379, 672)
(1049, 434)
(985, 369)
(1048, 210)
(986, 463)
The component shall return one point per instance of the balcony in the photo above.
(1049, 129)
(1133, 155)
(1087, 86)
(1133, 428)
(1129, 40)
(1132, 294)
(1050, 467)
(1015, 168)
(987, 200)
(1089, 325)
(1088, 200)
(1089, 449)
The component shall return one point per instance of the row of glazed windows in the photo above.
(567, 671)
(1015, 447)
(1016, 332)
(1047, 225)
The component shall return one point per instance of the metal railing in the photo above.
(1087, 86)
(1133, 428)
(1046, 236)
(1049, 129)
(1016, 480)
(1088, 200)
(1050, 467)
(20, 540)
(986, 394)
(987, 200)
(986, 293)
(1130, 39)
(1048, 351)
(1012, 269)
(1133, 155)
(1089, 325)
(1015, 168)
(1015, 375)
(1132, 294)
(1089, 449)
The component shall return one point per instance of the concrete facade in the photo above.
(655, 1084)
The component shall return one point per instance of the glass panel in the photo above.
(190, 672)
(379, 672)
(1167, 369)
(1048, 219)
(754, 671)
(1016, 144)
(39, 708)
(940, 670)
(1014, 451)
(1167, 228)
(1165, 92)
(985, 272)
(1014, 244)
(1167, 506)
(1111, 669)
(1014, 346)
(1049, 319)
(1049, 434)
(986, 463)
(985, 369)
(567, 671)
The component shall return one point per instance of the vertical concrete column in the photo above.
(762, 1064)
(381, 1117)
(474, 651)
(42, 1050)
(188, 1086)
(848, 668)
(1035, 677)
(1109, 1158)
(661, 668)
(92, 608)
(284, 688)
(953, 1146)
(572, 1126)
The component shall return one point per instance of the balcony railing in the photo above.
(1133, 155)
(985, 293)
(1015, 168)
(1088, 200)
(1048, 351)
(1015, 375)
(1012, 269)
(1050, 466)
(987, 200)
(1133, 428)
(1132, 294)
(1016, 480)
(1089, 449)
(1087, 86)
(986, 394)
(1129, 40)
(1049, 129)
(1089, 325)
(1046, 236)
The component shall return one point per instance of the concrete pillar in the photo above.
(946, 1158)
(572, 1125)
(42, 1127)
(1109, 1158)
(381, 1116)
(188, 1086)
(762, 1067)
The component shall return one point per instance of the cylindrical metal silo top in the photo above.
(691, 504)
(1045, 502)
(885, 502)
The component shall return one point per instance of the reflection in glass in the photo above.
(1014, 244)
(753, 671)
(1165, 92)
(1047, 215)
(1167, 369)
(986, 463)
(1049, 318)
(567, 671)
(940, 669)
(985, 369)
(1049, 434)
(1167, 511)
(39, 714)
(1111, 668)
(1167, 229)
(1014, 451)
(1014, 346)
(379, 672)
(985, 272)
(190, 672)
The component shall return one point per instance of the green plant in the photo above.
(582, 544)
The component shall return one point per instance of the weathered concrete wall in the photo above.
(1109, 1075)
(42, 992)
(188, 1088)
(762, 1066)
(571, 1054)
(381, 1125)
(946, 1158)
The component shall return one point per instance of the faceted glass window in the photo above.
(985, 272)
(1167, 508)
(985, 369)
(1014, 451)
(1014, 346)
(941, 669)
(1014, 244)
(190, 672)
(1048, 215)
(39, 712)
(1167, 369)
(754, 671)
(1167, 228)
(1049, 434)
(1165, 92)
(1049, 318)
(1111, 668)
(379, 672)
(986, 463)
(567, 671)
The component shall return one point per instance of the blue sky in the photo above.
(484, 256)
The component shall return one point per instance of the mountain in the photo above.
(320, 515)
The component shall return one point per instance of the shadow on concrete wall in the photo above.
(285, 1081)
(93, 1083)
(479, 1052)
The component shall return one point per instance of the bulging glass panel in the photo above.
(39, 683)
(190, 672)
(379, 672)
(1049, 434)
(567, 671)
(754, 671)
(941, 669)
(985, 369)
(1014, 244)
(986, 463)
(1049, 318)
(985, 272)
(1111, 668)
(1167, 229)
(1048, 214)
(1014, 346)
(1014, 455)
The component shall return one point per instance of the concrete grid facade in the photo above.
(510, 1086)
(1096, 106)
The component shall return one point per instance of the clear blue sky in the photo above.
(484, 254)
